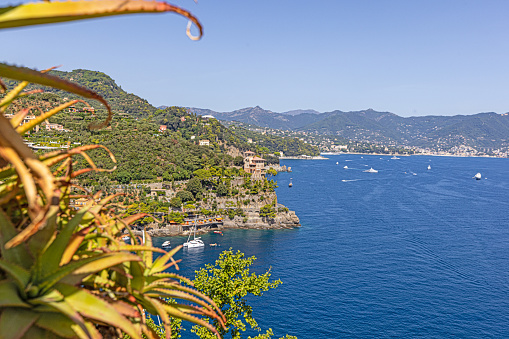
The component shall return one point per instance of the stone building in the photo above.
(254, 165)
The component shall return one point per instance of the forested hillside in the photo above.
(483, 130)
(149, 143)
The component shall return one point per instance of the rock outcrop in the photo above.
(253, 220)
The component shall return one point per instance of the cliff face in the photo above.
(253, 220)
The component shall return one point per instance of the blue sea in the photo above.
(405, 252)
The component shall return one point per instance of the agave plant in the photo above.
(66, 273)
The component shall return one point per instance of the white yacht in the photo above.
(429, 167)
(478, 176)
(346, 167)
(337, 163)
(196, 242)
(394, 158)
(166, 244)
(371, 170)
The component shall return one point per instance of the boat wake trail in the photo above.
(345, 180)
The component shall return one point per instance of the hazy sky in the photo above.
(407, 57)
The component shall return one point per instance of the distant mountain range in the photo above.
(482, 130)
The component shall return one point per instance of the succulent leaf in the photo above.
(96, 308)
(48, 13)
(9, 296)
(16, 322)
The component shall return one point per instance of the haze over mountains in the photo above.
(482, 130)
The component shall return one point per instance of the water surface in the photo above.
(405, 252)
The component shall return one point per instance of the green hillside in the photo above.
(144, 150)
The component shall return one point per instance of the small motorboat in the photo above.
(346, 167)
(371, 170)
(290, 184)
(337, 163)
(429, 167)
(166, 244)
(126, 237)
(478, 176)
(394, 158)
(214, 245)
(218, 232)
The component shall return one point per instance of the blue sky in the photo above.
(407, 57)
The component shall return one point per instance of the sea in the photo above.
(406, 252)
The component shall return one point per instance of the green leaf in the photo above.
(47, 298)
(9, 296)
(147, 256)
(160, 264)
(19, 274)
(56, 323)
(39, 333)
(51, 257)
(106, 261)
(40, 241)
(15, 322)
(17, 255)
(95, 308)
(172, 311)
(138, 280)
(65, 308)
(48, 13)
(86, 266)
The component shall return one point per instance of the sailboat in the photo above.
(290, 184)
(196, 242)
(429, 167)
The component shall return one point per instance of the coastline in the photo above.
(304, 157)
(283, 220)
(419, 154)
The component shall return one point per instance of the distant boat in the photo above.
(218, 232)
(394, 158)
(290, 184)
(337, 163)
(429, 167)
(126, 237)
(371, 170)
(166, 244)
(346, 167)
(478, 176)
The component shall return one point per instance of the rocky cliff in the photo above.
(253, 220)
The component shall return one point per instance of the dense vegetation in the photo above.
(119, 100)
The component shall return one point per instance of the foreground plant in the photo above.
(66, 273)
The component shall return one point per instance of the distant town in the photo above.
(333, 144)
